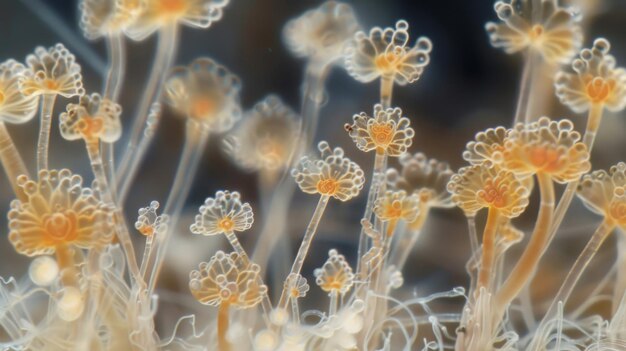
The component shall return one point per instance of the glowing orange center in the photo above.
(226, 224)
(146, 230)
(535, 32)
(387, 62)
(332, 283)
(327, 186)
(599, 89)
(172, 6)
(60, 227)
(50, 84)
(295, 292)
(394, 210)
(202, 108)
(546, 159)
(90, 127)
(382, 134)
(1, 97)
(494, 193)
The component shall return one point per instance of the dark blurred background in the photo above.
(467, 87)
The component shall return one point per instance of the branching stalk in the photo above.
(112, 89)
(166, 50)
(121, 228)
(576, 271)
(378, 177)
(593, 124)
(525, 268)
(196, 138)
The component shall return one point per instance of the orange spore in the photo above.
(327, 186)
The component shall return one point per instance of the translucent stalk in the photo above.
(275, 219)
(619, 291)
(473, 235)
(295, 311)
(524, 91)
(526, 266)
(153, 122)
(117, 66)
(333, 303)
(166, 50)
(223, 315)
(378, 177)
(12, 162)
(45, 115)
(196, 138)
(576, 271)
(386, 90)
(147, 253)
(234, 242)
(489, 249)
(88, 325)
(306, 244)
(112, 88)
(593, 124)
(405, 243)
(121, 229)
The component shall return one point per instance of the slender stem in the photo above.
(112, 89)
(576, 271)
(125, 183)
(12, 162)
(526, 266)
(524, 90)
(196, 138)
(386, 90)
(147, 253)
(117, 66)
(306, 244)
(223, 315)
(594, 118)
(166, 50)
(334, 301)
(234, 242)
(405, 244)
(374, 190)
(275, 219)
(121, 229)
(473, 235)
(65, 261)
(619, 291)
(489, 249)
(295, 311)
(593, 124)
(45, 114)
